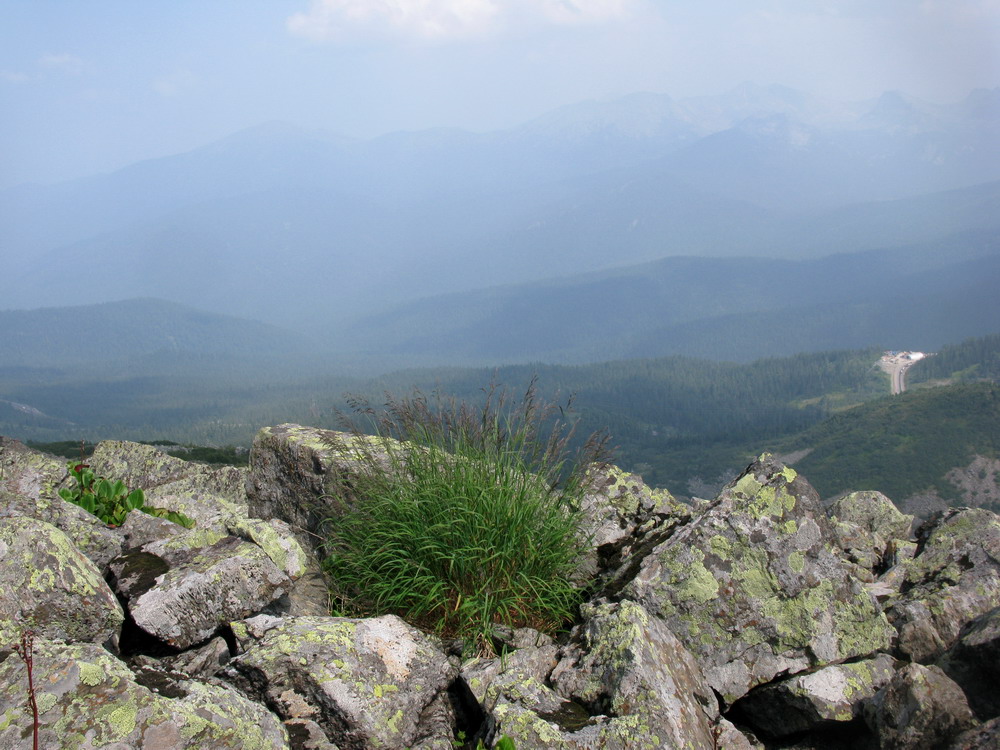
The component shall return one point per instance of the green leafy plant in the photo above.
(111, 501)
(459, 518)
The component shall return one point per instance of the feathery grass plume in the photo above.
(458, 517)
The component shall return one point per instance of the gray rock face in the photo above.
(954, 578)
(806, 702)
(629, 667)
(293, 475)
(182, 597)
(986, 737)
(974, 663)
(872, 533)
(92, 537)
(87, 699)
(919, 709)
(50, 587)
(753, 588)
(366, 682)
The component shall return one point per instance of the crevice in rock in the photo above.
(627, 557)
(471, 720)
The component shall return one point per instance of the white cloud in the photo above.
(13, 76)
(447, 19)
(64, 62)
(176, 83)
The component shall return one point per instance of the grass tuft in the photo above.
(459, 518)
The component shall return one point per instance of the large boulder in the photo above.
(627, 666)
(953, 579)
(29, 484)
(182, 596)
(973, 662)
(815, 700)
(919, 709)
(622, 681)
(366, 682)
(296, 475)
(871, 531)
(753, 588)
(47, 585)
(87, 699)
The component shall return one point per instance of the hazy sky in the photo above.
(92, 86)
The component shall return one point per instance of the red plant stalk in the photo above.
(25, 651)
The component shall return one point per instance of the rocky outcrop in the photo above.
(953, 579)
(754, 588)
(755, 620)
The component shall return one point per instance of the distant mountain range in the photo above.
(314, 232)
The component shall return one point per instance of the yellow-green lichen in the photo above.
(721, 547)
(120, 720)
(796, 561)
(90, 674)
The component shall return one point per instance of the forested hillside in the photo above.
(904, 446)
(971, 360)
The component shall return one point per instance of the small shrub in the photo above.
(458, 518)
(111, 501)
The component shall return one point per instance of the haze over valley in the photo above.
(196, 245)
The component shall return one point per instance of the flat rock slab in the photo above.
(752, 586)
(183, 596)
(367, 683)
(87, 699)
(47, 585)
(807, 702)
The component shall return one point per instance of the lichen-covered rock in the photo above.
(615, 507)
(875, 513)
(209, 495)
(28, 472)
(296, 476)
(616, 503)
(90, 535)
(627, 666)
(366, 682)
(29, 484)
(753, 588)
(919, 709)
(47, 585)
(88, 699)
(953, 579)
(182, 596)
(973, 662)
(833, 694)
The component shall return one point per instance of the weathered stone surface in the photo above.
(617, 503)
(367, 682)
(985, 737)
(89, 534)
(183, 596)
(873, 534)
(875, 513)
(627, 666)
(209, 495)
(297, 477)
(833, 694)
(29, 484)
(48, 586)
(88, 699)
(953, 579)
(973, 662)
(752, 587)
(28, 472)
(919, 709)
